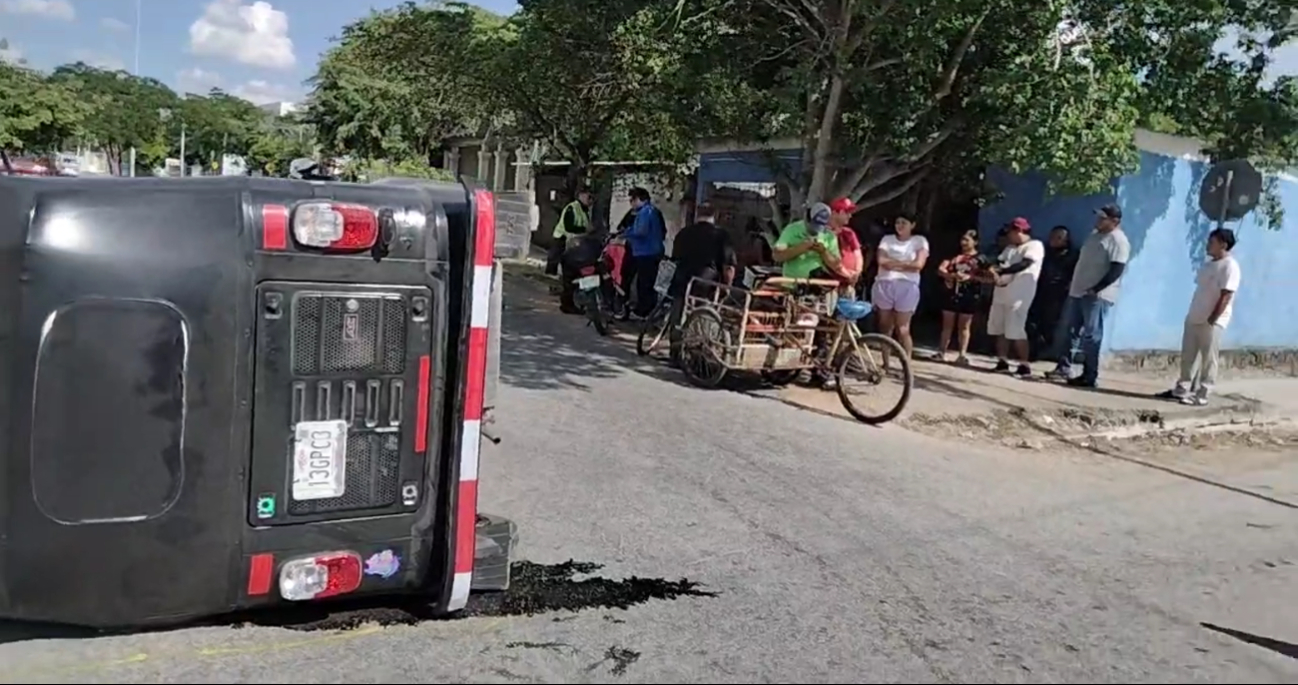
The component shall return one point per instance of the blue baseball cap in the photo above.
(818, 215)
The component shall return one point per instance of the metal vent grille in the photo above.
(373, 475)
(348, 333)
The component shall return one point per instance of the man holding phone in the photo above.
(807, 247)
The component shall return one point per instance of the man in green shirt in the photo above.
(807, 247)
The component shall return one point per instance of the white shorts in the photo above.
(1009, 319)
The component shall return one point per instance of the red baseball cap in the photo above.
(1021, 225)
(842, 204)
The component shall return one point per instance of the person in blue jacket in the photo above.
(645, 241)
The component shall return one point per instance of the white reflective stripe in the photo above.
(460, 591)
(481, 305)
(469, 446)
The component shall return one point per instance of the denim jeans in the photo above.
(1081, 327)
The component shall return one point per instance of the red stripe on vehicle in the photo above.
(475, 376)
(421, 411)
(261, 567)
(466, 522)
(274, 227)
(484, 245)
(475, 386)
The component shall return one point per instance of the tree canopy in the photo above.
(35, 116)
(881, 95)
(400, 81)
(115, 111)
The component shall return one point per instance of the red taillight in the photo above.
(335, 226)
(587, 271)
(320, 576)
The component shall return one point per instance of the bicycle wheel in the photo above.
(654, 329)
(704, 341)
(865, 362)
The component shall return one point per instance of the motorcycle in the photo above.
(599, 292)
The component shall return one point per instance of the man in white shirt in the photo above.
(1210, 311)
(1016, 273)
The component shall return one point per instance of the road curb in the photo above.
(1205, 424)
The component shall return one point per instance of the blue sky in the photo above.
(259, 49)
(262, 50)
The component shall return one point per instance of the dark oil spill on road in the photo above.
(534, 589)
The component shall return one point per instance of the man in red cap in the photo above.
(1016, 273)
(851, 255)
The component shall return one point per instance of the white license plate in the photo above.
(588, 282)
(319, 460)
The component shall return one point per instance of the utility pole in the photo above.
(135, 71)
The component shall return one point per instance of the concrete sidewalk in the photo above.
(974, 402)
(948, 399)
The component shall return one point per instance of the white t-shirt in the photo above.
(1021, 286)
(1214, 276)
(901, 251)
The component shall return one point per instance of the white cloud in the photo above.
(255, 34)
(60, 10)
(98, 60)
(115, 25)
(259, 92)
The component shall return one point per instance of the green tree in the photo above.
(278, 142)
(883, 94)
(124, 110)
(35, 114)
(215, 124)
(398, 82)
(593, 79)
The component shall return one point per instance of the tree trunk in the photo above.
(821, 174)
(114, 155)
(572, 179)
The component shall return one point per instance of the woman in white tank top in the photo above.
(895, 294)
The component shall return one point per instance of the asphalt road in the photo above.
(829, 552)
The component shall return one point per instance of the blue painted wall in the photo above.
(1027, 196)
(1168, 233)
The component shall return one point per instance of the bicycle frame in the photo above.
(767, 328)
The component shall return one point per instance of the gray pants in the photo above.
(1199, 346)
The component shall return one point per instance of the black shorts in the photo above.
(965, 298)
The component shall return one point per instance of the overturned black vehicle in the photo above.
(231, 393)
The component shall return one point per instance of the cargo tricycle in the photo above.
(781, 327)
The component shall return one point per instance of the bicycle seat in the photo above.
(853, 310)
